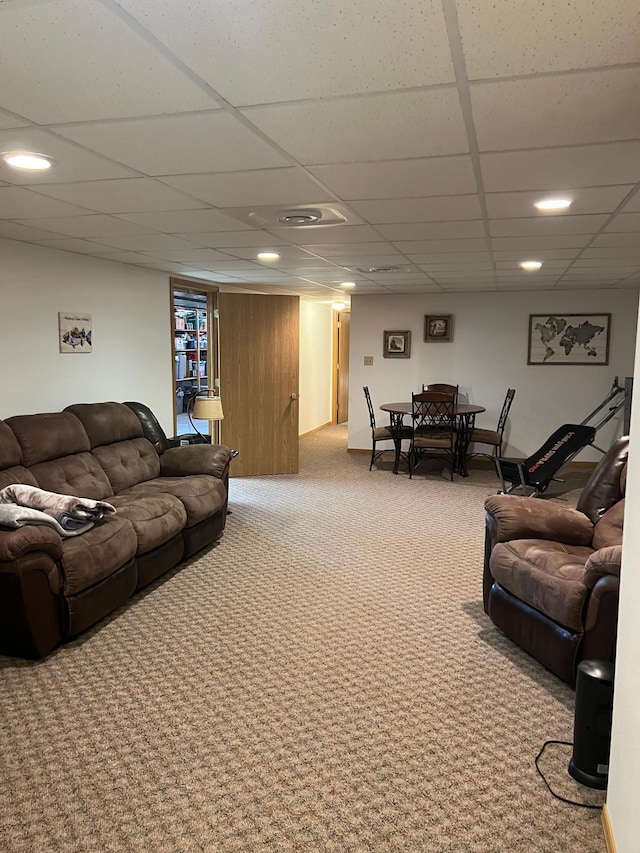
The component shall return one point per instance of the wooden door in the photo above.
(259, 361)
(342, 367)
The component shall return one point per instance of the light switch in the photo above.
(368, 361)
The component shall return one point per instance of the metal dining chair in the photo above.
(379, 434)
(493, 437)
(442, 388)
(433, 429)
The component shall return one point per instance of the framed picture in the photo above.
(438, 328)
(74, 332)
(569, 338)
(397, 345)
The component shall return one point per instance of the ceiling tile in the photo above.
(7, 121)
(363, 262)
(21, 203)
(567, 109)
(399, 178)
(542, 254)
(296, 52)
(228, 239)
(366, 128)
(94, 225)
(13, 231)
(189, 255)
(436, 209)
(70, 163)
(613, 253)
(421, 249)
(433, 230)
(285, 252)
(528, 243)
(129, 195)
(345, 250)
(313, 236)
(68, 35)
(145, 242)
(547, 225)
(509, 37)
(253, 188)
(468, 259)
(183, 221)
(633, 204)
(625, 222)
(457, 269)
(178, 144)
(588, 200)
(587, 166)
(621, 238)
(76, 244)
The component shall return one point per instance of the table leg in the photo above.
(397, 421)
(466, 424)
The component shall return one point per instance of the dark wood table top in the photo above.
(407, 408)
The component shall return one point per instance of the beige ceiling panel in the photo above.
(21, 203)
(184, 221)
(129, 195)
(143, 242)
(613, 252)
(541, 254)
(399, 178)
(363, 262)
(626, 222)
(253, 188)
(421, 250)
(285, 252)
(547, 225)
(547, 266)
(7, 121)
(505, 38)
(94, 225)
(190, 255)
(178, 144)
(587, 200)
(586, 166)
(366, 128)
(437, 209)
(70, 163)
(224, 240)
(468, 259)
(621, 238)
(568, 109)
(634, 204)
(76, 244)
(313, 236)
(14, 231)
(433, 230)
(73, 60)
(345, 250)
(266, 52)
(565, 241)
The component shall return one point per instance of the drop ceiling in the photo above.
(433, 124)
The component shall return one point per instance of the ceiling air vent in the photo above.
(294, 216)
(368, 270)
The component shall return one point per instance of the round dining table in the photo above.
(465, 414)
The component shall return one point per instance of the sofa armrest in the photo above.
(604, 561)
(196, 459)
(516, 517)
(31, 537)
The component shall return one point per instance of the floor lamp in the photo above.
(208, 408)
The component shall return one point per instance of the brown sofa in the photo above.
(551, 574)
(170, 503)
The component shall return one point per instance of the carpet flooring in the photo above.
(324, 679)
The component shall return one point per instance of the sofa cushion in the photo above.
(548, 576)
(78, 475)
(17, 474)
(106, 423)
(608, 531)
(48, 436)
(10, 451)
(96, 554)
(128, 462)
(155, 518)
(201, 495)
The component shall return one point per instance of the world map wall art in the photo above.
(569, 338)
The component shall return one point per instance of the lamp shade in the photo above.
(208, 409)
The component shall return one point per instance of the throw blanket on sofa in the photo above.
(68, 514)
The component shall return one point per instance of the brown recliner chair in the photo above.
(551, 574)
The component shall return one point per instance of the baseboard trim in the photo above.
(609, 840)
(317, 429)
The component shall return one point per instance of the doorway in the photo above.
(341, 338)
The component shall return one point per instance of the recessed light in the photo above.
(339, 306)
(553, 203)
(268, 256)
(300, 217)
(347, 284)
(530, 265)
(26, 160)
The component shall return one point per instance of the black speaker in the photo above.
(589, 763)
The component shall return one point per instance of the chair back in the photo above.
(372, 416)
(433, 411)
(442, 388)
(504, 414)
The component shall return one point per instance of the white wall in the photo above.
(488, 354)
(624, 778)
(131, 358)
(315, 365)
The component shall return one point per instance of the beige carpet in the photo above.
(323, 680)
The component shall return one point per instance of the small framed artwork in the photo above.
(74, 332)
(569, 338)
(397, 345)
(438, 328)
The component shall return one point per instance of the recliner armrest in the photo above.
(516, 517)
(31, 537)
(196, 459)
(605, 561)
